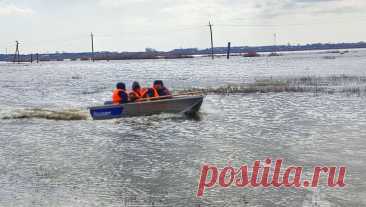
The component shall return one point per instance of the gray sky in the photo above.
(132, 25)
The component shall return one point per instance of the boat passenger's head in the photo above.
(158, 84)
(136, 86)
(121, 85)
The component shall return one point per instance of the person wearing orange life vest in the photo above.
(120, 95)
(158, 90)
(137, 92)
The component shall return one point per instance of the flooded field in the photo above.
(306, 108)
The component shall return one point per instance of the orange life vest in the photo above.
(155, 92)
(116, 98)
(138, 94)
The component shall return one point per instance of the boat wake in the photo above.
(332, 84)
(37, 113)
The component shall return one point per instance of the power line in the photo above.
(66, 41)
(286, 25)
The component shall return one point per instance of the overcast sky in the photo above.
(133, 25)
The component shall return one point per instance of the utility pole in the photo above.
(228, 50)
(16, 55)
(92, 46)
(275, 41)
(212, 47)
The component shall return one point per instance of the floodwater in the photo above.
(53, 154)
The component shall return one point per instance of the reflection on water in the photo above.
(155, 160)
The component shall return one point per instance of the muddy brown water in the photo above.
(53, 154)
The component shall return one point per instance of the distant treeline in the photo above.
(178, 53)
(86, 56)
(279, 48)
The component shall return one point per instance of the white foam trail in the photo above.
(38, 113)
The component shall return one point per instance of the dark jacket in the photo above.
(163, 92)
(124, 97)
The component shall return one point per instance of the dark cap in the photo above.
(159, 82)
(135, 85)
(121, 85)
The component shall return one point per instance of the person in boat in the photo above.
(137, 92)
(158, 90)
(120, 95)
(161, 89)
